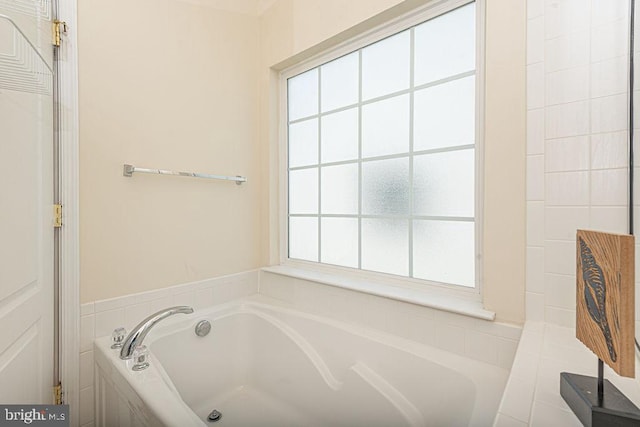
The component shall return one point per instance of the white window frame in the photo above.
(429, 11)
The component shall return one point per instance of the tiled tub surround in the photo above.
(577, 172)
(100, 318)
(489, 342)
(532, 396)
(265, 364)
(577, 154)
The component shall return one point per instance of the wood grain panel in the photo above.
(605, 298)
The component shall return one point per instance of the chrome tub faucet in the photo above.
(138, 333)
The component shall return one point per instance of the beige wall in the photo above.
(505, 159)
(166, 84)
(293, 30)
(195, 88)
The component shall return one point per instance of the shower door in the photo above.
(26, 198)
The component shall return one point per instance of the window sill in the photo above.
(425, 298)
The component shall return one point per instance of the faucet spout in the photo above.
(138, 333)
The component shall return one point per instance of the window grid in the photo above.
(360, 102)
(380, 216)
(410, 218)
(411, 154)
(388, 157)
(359, 159)
(319, 164)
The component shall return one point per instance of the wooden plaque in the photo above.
(605, 297)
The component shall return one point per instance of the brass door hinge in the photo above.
(57, 216)
(58, 29)
(57, 394)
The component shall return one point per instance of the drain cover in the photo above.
(214, 416)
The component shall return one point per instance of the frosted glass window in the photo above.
(443, 184)
(445, 115)
(385, 244)
(444, 251)
(303, 95)
(339, 80)
(385, 127)
(382, 154)
(386, 66)
(385, 187)
(303, 238)
(303, 191)
(303, 143)
(339, 241)
(445, 46)
(340, 189)
(340, 136)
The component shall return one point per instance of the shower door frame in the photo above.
(67, 177)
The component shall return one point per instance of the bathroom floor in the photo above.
(532, 396)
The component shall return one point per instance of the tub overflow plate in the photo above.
(203, 328)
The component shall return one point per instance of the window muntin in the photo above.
(381, 152)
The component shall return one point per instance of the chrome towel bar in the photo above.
(128, 171)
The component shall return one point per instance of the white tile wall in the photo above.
(535, 227)
(535, 40)
(609, 113)
(535, 85)
(86, 405)
(556, 254)
(566, 188)
(609, 187)
(567, 154)
(535, 8)
(566, 51)
(534, 306)
(605, 11)
(535, 131)
(609, 77)
(610, 39)
(560, 291)
(561, 223)
(563, 120)
(535, 177)
(535, 270)
(609, 150)
(100, 318)
(568, 85)
(578, 137)
(565, 17)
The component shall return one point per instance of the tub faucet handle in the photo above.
(117, 337)
(140, 358)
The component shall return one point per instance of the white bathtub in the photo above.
(265, 365)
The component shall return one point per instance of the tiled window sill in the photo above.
(426, 298)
